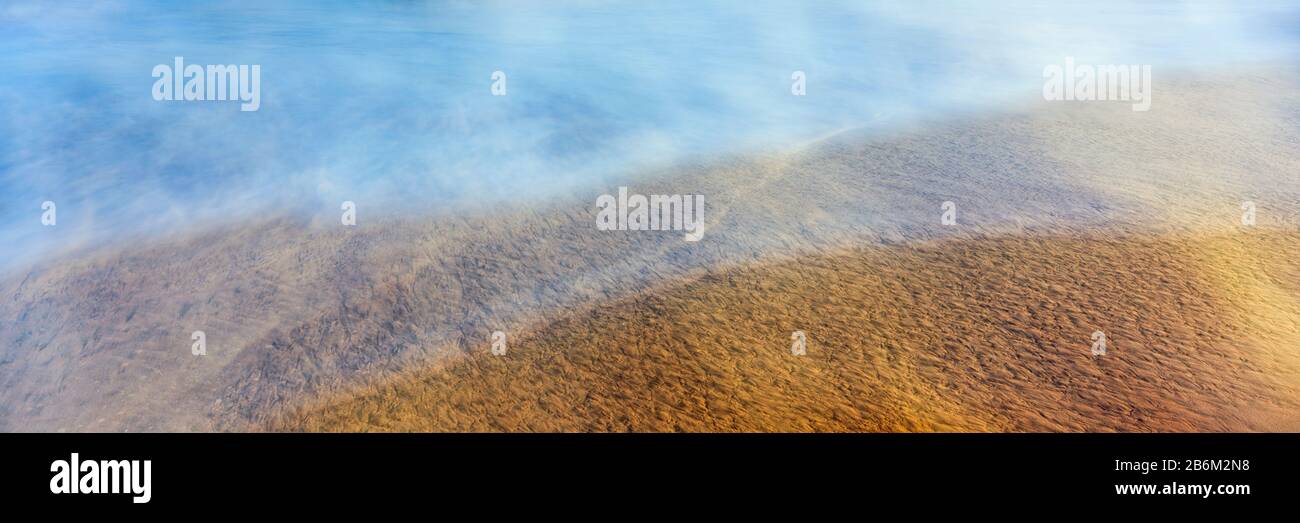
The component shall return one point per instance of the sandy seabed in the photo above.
(982, 335)
(1072, 218)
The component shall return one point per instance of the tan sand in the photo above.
(983, 335)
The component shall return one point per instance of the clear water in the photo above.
(388, 103)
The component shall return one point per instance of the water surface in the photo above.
(388, 103)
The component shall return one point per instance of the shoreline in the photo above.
(296, 310)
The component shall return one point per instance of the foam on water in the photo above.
(388, 103)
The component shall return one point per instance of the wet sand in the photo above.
(975, 335)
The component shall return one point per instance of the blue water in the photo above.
(388, 103)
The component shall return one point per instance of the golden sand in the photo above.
(976, 335)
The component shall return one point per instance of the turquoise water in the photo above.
(389, 104)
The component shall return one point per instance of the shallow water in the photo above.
(389, 104)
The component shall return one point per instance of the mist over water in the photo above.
(388, 104)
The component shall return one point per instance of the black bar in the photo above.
(394, 470)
